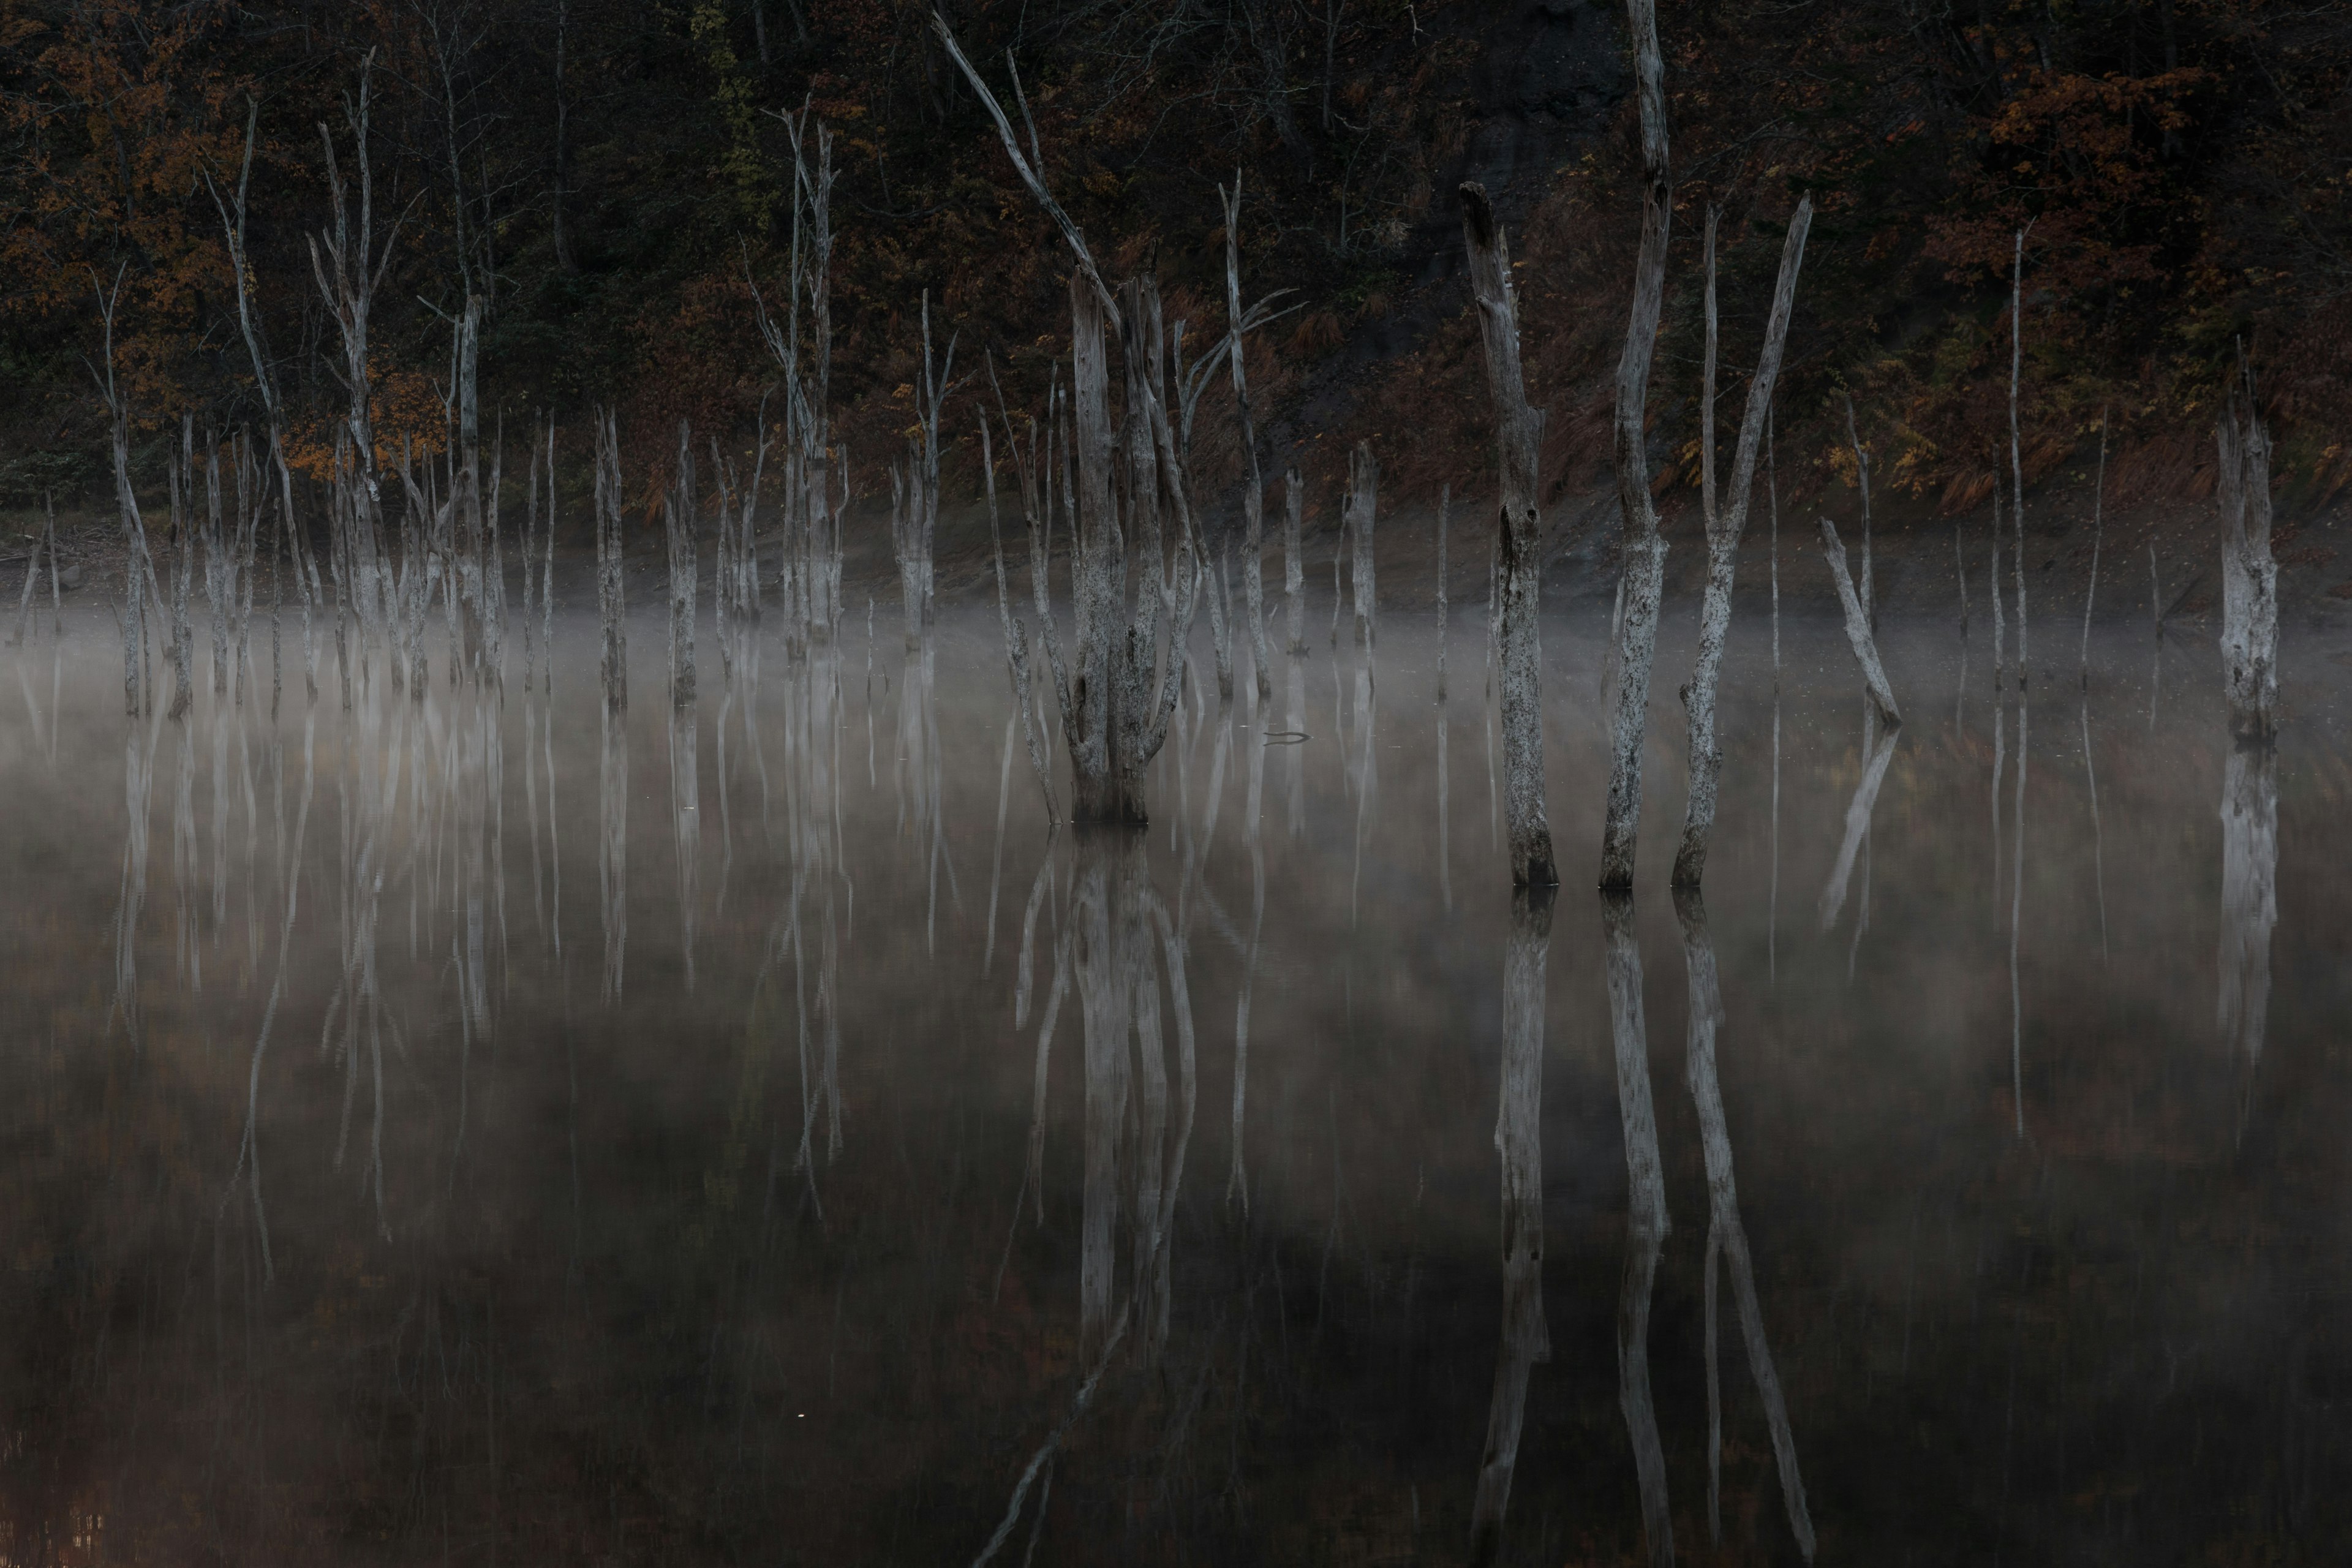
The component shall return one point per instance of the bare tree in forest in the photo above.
(1118, 698)
(915, 490)
(1643, 551)
(1725, 523)
(1294, 571)
(1857, 627)
(1254, 497)
(1518, 436)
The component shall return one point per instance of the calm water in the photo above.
(477, 1130)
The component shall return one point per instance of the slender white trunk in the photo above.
(1725, 524)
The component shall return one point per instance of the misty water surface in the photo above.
(656, 1154)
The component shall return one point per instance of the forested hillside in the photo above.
(605, 174)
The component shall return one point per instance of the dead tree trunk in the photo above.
(1254, 498)
(1294, 569)
(1857, 627)
(2249, 574)
(1363, 507)
(1114, 716)
(1724, 528)
(1644, 552)
(1518, 435)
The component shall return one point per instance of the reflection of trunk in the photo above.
(1519, 437)
(1857, 821)
(1644, 552)
(1728, 1234)
(1253, 837)
(686, 815)
(1646, 1224)
(612, 846)
(1366, 770)
(2249, 574)
(2017, 914)
(2248, 894)
(1518, 1139)
(1115, 917)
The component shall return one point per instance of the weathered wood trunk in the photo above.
(1725, 524)
(1643, 551)
(1363, 510)
(1518, 533)
(1857, 627)
(2249, 574)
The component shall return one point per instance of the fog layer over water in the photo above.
(491, 1126)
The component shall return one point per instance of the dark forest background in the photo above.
(601, 172)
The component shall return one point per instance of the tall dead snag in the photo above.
(2249, 574)
(1724, 526)
(612, 597)
(1857, 627)
(1363, 506)
(915, 491)
(1254, 498)
(1644, 552)
(1294, 569)
(1117, 700)
(349, 266)
(1519, 534)
(678, 519)
(138, 568)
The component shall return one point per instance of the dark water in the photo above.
(620, 1184)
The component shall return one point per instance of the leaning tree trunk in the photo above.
(1644, 552)
(1518, 433)
(1724, 528)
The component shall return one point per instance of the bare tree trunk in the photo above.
(1725, 524)
(1293, 570)
(678, 516)
(1857, 628)
(2249, 574)
(1519, 542)
(1363, 507)
(2098, 538)
(1862, 485)
(1644, 552)
(2016, 458)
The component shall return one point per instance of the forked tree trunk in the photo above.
(1519, 534)
(1644, 552)
(1724, 528)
